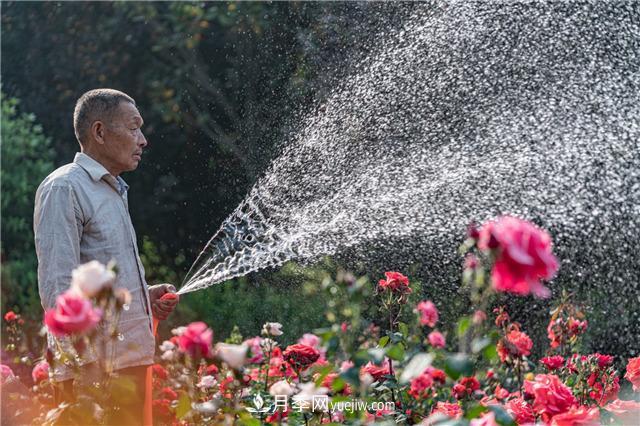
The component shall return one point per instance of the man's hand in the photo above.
(162, 308)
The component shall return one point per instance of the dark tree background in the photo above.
(221, 87)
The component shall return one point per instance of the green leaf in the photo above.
(397, 337)
(490, 353)
(404, 329)
(502, 417)
(463, 326)
(458, 365)
(474, 412)
(383, 341)
(396, 352)
(352, 376)
(184, 405)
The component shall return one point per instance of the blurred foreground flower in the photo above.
(90, 278)
(523, 255)
(196, 340)
(73, 314)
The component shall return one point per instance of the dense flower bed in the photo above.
(477, 371)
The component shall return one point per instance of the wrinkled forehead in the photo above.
(126, 113)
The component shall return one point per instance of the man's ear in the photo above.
(97, 131)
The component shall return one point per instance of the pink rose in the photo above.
(73, 314)
(196, 340)
(633, 373)
(521, 412)
(254, 345)
(421, 386)
(551, 396)
(449, 409)
(436, 339)
(524, 255)
(515, 344)
(6, 373)
(627, 412)
(395, 282)
(487, 419)
(375, 371)
(40, 372)
(428, 313)
(10, 316)
(577, 416)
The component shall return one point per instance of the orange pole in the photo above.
(148, 394)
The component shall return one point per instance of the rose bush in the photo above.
(397, 367)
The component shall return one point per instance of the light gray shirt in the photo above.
(82, 214)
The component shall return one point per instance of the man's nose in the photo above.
(143, 140)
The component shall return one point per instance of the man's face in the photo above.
(124, 140)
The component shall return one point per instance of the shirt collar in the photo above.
(98, 172)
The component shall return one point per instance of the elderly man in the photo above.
(82, 214)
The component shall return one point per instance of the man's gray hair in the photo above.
(97, 104)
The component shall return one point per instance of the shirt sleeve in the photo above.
(57, 224)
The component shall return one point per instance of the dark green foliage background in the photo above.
(220, 85)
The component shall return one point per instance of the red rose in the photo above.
(10, 316)
(421, 386)
(449, 409)
(577, 416)
(211, 370)
(73, 314)
(428, 313)
(196, 340)
(159, 372)
(633, 373)
(168, 393)
(521, 412)
(375, 371)
(551, 396)
(395, 282)
(438, 375)
(514, 344)
(627, 412)
(524, 256)
(40, 372)
(301, 355)
(604, 388)
(162, 407)
(553, 362)
(465, 387)
(502, 318)
(603, 360)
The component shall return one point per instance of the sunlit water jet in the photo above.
(468, 111)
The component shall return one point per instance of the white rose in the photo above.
(281, 388)
(178, 331)
(207, 382)
(169, 355)
(272, 329)
(167, 345)
(235, 356)
(90, 278)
